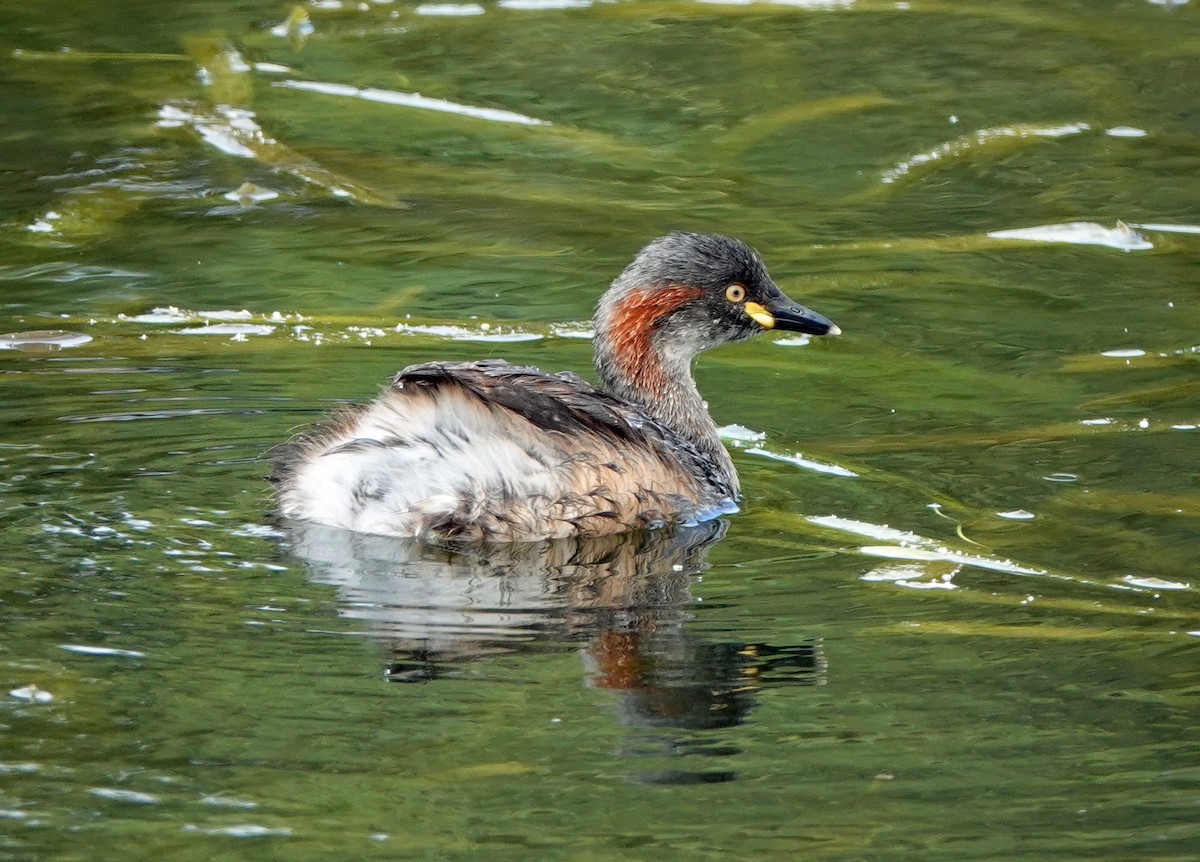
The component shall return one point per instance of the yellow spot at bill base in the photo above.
(760, 315)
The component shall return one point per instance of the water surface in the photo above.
(957, 617)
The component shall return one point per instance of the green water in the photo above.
(808, 685)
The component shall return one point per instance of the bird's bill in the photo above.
(783, 313)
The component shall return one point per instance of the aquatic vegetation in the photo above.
(235, 132)
(975, 146)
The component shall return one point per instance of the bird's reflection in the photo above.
(626, 599)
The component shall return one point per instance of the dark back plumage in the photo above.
(589, 463)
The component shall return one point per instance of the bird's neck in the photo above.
(636, 361)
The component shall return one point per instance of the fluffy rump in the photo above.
(488, 451)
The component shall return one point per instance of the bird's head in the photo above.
(688, 292)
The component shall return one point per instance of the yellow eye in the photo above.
(735, 293)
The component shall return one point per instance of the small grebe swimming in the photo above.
(488, 451)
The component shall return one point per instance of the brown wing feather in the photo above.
(567, 404)
(596, 464)
(562, 402)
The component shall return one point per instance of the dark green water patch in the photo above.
(957, 615)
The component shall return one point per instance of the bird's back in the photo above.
(489, 451)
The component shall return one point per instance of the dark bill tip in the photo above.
(792, 317)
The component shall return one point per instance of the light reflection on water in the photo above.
(624, 602)
(176, 683)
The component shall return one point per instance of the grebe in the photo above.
(492, 452)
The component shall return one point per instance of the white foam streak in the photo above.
(544, 5)
(573, 330)
(1122, 237)
(222, 133)
(740, 434)
(31, 694)
(48, 339)
(945, 555)
(449, 9)
(864, 528)
(462, 333)
(965, 144)
(1151, 583)
(1016, 515)
(102, 651)
(228, 329)
(1167, 228)
(818, 5)
(910, 546)
(800, 461)
(124, 795)
(411, 100)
